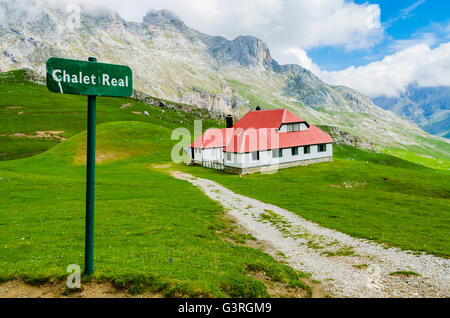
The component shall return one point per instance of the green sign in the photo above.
(66, 76)
(93, 79)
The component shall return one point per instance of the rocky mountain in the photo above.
(175, 62)
(429, 107)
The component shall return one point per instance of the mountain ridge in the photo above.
(174, 62)
(428, 107)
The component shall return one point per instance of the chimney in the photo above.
(229, 121)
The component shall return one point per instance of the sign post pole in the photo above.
(92, 79)
(90, 183)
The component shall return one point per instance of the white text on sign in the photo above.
(80, 78)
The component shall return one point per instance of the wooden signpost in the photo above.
(93, 79)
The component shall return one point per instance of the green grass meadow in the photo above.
(364, 194)
(156, 233)
(26, 108)
(152, 232)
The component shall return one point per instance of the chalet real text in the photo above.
(80, 78)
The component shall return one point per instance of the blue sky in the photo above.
(404, 22)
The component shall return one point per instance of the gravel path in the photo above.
(345, 266)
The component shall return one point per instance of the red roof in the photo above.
(214, 138)
(258, 131)
(267, 139)
(272, 118)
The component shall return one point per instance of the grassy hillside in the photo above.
(364, 194)
(27, 108)
(146, 239)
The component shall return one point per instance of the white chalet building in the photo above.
(263, 140)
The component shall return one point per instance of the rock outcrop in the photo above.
(198, 112)
(343, 138)
(248, 51)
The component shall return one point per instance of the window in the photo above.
(277, 153)
(228, 156)
(293, 127)
(294, 151)
(307, 150)
(255, 156)
(322, 148)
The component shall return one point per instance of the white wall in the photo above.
(211, 154)
(265, 157)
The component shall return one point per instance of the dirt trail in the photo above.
(58, 289)
(346, 266)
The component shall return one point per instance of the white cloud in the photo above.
(283, 24)
(404, 13)
(286, 25)
(390, 76)
(419, 38)
(301, 58)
